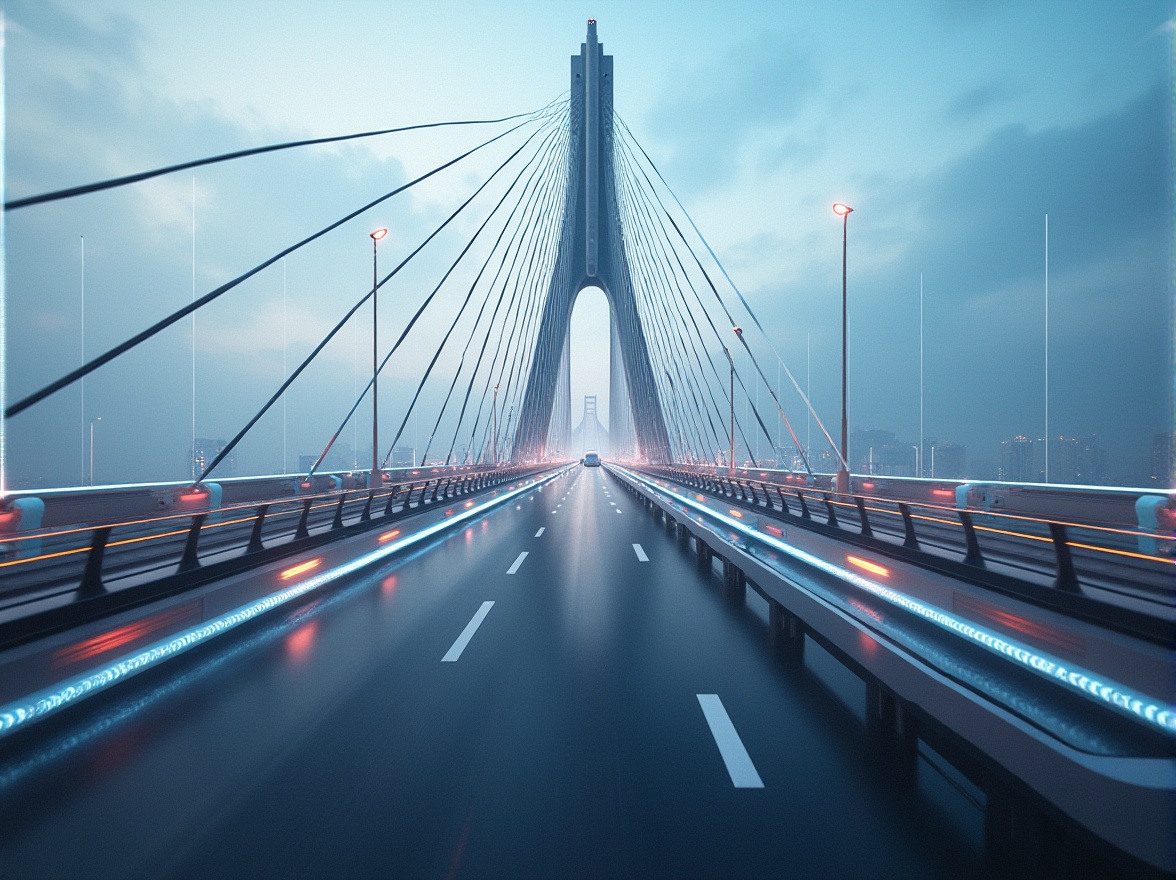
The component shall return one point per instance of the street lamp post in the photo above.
(373, 479)
(92, 421)
(494, 437)
(731, 461)
(843, 211)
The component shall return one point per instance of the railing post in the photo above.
(861, 506)
(91, 584)
(832, 513)
(255, 537)
(302, 531)
(804, 511)
(1067, 578)
(191, 558)
(973, 556)
(392, 490)
(783, 501)
(912, 540)
(337, 522)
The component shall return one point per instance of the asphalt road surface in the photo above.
(555, 690)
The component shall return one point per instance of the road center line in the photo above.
(640, 551)
(539, 534)
(739, 766)
(468, 633)
(518, 561)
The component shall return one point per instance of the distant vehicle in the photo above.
(591, 459)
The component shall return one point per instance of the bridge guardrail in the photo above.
(51, 568)
(1091, 571)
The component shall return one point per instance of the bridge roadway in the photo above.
(400, 725)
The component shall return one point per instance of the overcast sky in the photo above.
(952, 128)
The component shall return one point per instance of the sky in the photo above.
(952, 128)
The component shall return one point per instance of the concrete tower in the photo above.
(591, 254)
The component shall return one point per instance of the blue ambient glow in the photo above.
(45, 702)
(1088, 683)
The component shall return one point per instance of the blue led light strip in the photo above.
(32, 708)
(1112, 693)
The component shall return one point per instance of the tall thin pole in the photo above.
(843, 469)
(192, 454)
(92, 421)
(285, 456)
(83, 381)
(808, 392)
(922, 449)
(374, 479)
(1047, 348)
(494, 437)
(731, 361)
(3, 298)
(779, 424)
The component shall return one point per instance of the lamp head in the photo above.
(378, 234)
(841, 210)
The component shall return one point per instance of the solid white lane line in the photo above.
(539, 534)
(739, 766)
(640, 551)
(518, 561)
(468, 633)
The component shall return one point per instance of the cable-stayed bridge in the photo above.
(497, 661)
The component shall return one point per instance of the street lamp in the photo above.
(730, 360)
(92, 421)
(373, 481)
(843, 211)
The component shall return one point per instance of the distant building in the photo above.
(879, 453)
(1016, 460)
(205, 450)
(1161, 460)
(949, 461)
(404, 456)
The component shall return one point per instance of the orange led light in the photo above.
(866, 565)
(301, 568)
(736, 514)
(388, 536)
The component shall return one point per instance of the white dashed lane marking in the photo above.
(468, 633)
(539, 534)
(518, 561)
(739, 767)
(640, 551)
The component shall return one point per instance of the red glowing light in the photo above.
(449, 512)
(943, 493)
(469, 504)
(774, 530)
(388, 536)
(301, 568)
(736, 514)
(124, 635)
(866, 565)
(301, 640)
(868, 485)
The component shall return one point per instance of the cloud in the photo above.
(977, 101)
(116, 42)
(975, 228)
(746, 95)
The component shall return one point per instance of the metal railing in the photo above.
(46, 568)
(1023, 554)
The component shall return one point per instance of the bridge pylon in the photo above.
(592, 254)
